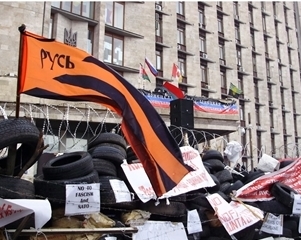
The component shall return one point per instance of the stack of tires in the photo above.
(69, 168)
(108, 151)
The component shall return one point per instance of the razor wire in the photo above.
(85, 114)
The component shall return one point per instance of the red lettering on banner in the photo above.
(147, 191)
(6, 210)
(189, 155)
(216, 201)
(134, 166)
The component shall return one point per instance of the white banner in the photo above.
(234, 216)
(273, 224)
(139, 181)
(121, 191)
(158, 230)
(194, 180)
(82, 199)
(14, 209)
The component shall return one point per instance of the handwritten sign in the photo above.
(259, 189)
(158, 230)
(82, 199)
(194, 224)
(14, 209)
(194, 180)
(273, 224)
(297, 204)
(121, 191)
(143, 188)
(234, 216)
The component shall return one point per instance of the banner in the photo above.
(197, 179)
(258, 190)
(234, 216)
(205, 105)
(14, 209)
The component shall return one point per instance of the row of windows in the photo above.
(85, 9)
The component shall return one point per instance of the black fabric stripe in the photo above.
(151, 113)
(105, 88)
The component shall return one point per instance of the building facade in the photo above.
(253, 45)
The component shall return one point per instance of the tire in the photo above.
(213, 154)
(215, 188)
(108, 153)
(224, 187)
(273, 206)
(19, 130)
(68, 166)
(253, 175)
(174, 209)
(235, 186)
(214, 165)
(224, 176)
(113, 145)
(107, 138)
(16, 188)
(104, 167)
(283, 194)
(55, 190)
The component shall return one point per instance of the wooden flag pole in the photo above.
(21, 30)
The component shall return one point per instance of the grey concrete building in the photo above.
(254, 45)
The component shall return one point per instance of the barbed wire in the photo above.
(85, 114)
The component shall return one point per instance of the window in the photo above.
(238, 57)
(159, 60)
(113, 49)
(263, 5)
(266, 49)
(51, 22)
(256, 91)
(257, 113)
(264, 26)
(158, 25)
(223, 79)
(276, 30)
(220, 24)
(182, 66)
(240, 84)
(219, 4)
(204, 77)
(251, 17)
(252, 40)
(235, 8)
(289, 56)
(180, 8)
(90, 40)
(268, 69)
(285, 16)
(201, 18)
(202, 44)
(181, 36)
(275, 9)
(254, 63)
(237, 33)
(85, 9)
(242, 111)
(278, 51)
(280, 74)
(221, 51)
(288, 36)
(114, 14)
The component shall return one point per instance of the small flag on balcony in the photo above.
(234, 91)
(151, 67)
(176, 73)
(143, 73)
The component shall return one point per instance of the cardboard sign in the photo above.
(194, 180)
(194, 224)
(143, 187)
(273, 224)
(121, 191)
(14, 209)
(158, 230)
(258, 190)
(82, 199)
(297, 204)
(234, 216)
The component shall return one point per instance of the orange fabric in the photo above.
(43, 62)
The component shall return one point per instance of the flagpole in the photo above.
(21, 30)
(143, 84)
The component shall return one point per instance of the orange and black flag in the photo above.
(53, 70)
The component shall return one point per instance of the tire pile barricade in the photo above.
(101, 163)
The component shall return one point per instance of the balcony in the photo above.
(255, 76)
(238, 43)
(241, 70)
(222, 63)
(181, 18)
(236, 18)
(282, 86)
(276, 18)
(272, 105)
(202, 27)
(159, 41)
(280, 63)
(221, 11)
(159, 9)
(252, 27)
(206, 87)
(267, 57)
(270, 81)
(161, 78)
(221, 35)
(182, 49)
(284, 110)
(224, 91)
(264, 12)
(267, 34)
(255, 52)
(290, 46)
(251, 4)
(294, 90)
(204, 57)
